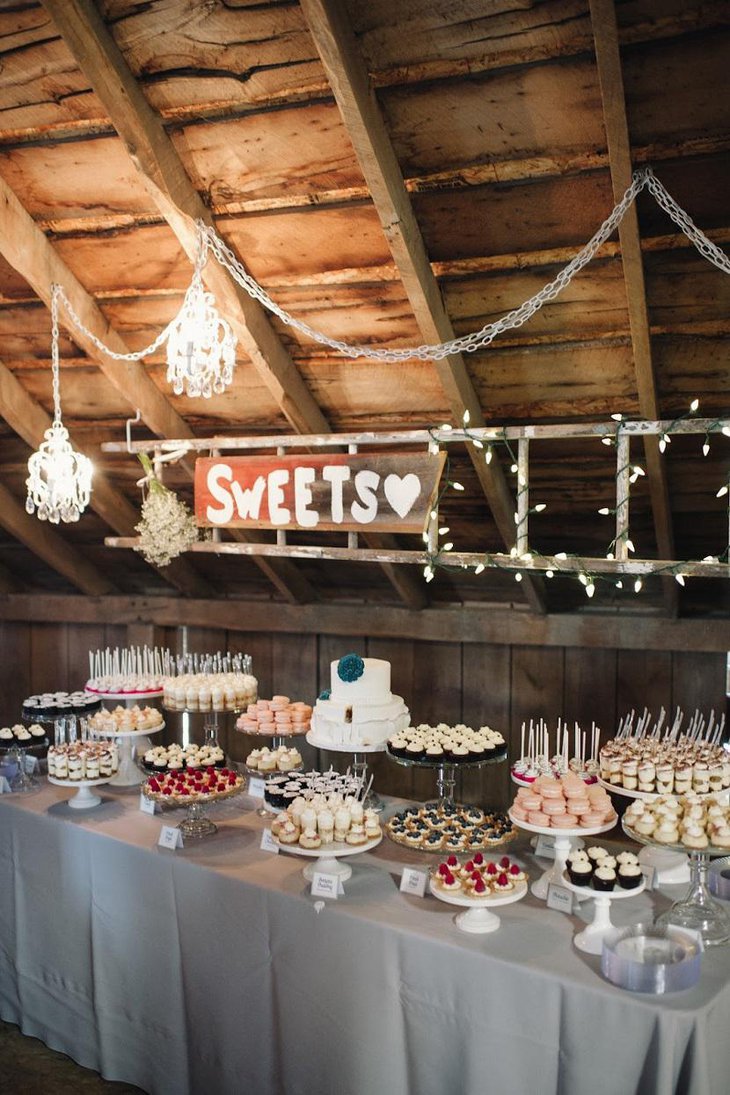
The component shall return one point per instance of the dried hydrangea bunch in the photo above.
(167, 528)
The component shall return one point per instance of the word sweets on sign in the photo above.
(391, 492)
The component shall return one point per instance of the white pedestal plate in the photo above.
(327, 857)
(479, 918)
(83, 799)
(590, 939)
(563, 838)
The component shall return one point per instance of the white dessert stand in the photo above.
(128, 774)
(83, 799)
(563, 838)
(133, 697)
(591, 938)
(478, 918)
(670, 868)
(326, 857)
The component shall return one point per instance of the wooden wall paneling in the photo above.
(590, 690)
(14, 670)
(49, 657)
(698, 682)
(115, 635)
(81, 639)
(486, 701)
(643, 680)
(537, 689)
(436, 698)
(294, 670)
(391, 778)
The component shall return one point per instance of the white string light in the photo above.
(59, 478)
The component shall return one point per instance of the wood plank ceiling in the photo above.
(392, 173)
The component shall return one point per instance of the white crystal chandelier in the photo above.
(59, 478)
(201, 347)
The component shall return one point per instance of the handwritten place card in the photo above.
(326, 885)
(256, 787)
(545, 847)
(170, 837)
(413, 881)
(146, 805)
(268, 844)
(559, 898)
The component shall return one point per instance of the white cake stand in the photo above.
(83, 799)
(151, 694)
(128, 774)
(562, 838)
(327, 856)
(479, 918)
(591, 938)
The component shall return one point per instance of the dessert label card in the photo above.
(170, 837)
(268, 844)
(559, 898)
(413, 881)
(326, 885)
(146, 805)
(256, 787)
(545, 847)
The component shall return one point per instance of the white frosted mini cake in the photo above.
(358, 711)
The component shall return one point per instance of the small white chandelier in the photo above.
(201, 347)
(59, 478)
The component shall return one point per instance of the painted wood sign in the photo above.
(381, 492)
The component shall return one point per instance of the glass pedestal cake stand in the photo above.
(479, 917)
(359, 763)
(698, 909)
(196, 823)
(128, 774)
(563, 839)
(255, 773)
(591, 938)
(445, 772)
(83, 799)
(327, 857)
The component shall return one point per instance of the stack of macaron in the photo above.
(596, 867)
(565, 803)
(275, 717)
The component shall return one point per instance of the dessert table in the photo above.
(211, 968)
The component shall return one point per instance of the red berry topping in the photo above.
(452, 861)
(185, 791)
(514, 869)
(167, 790)
(469, 865)
(479, 858)
(502, 880)
(491, 868)
(443, 869)
(475, 876)
(480, 887)
(449, 878)
(154, 785)
(504, 862)
(210, 771)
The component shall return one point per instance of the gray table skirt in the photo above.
(210, 970)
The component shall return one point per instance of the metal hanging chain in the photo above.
(466, 343)
(209, 240)
(56, 292)
(136, 355)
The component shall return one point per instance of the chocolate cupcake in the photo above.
(580, 872)
(604, 879)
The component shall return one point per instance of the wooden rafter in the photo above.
(29, 420)
(30, 253)
(45, 542)
(335, 41)
(608, 60)
(169, 185)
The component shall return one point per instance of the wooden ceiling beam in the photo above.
(168, 183)
(348, 76)
(610, 75)
(30, 421)
(40, 538)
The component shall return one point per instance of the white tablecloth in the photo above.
(208, 970)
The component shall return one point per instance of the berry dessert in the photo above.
(181, 788)
(479, 877)
(434, 828)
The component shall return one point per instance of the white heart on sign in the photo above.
(402, 493)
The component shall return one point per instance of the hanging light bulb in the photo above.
(201, 347)
(59, 478)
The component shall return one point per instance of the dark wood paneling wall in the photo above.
(476, 683)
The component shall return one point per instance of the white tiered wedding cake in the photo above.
(359, 711)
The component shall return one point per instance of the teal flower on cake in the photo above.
(325, 694)
(350, 668)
